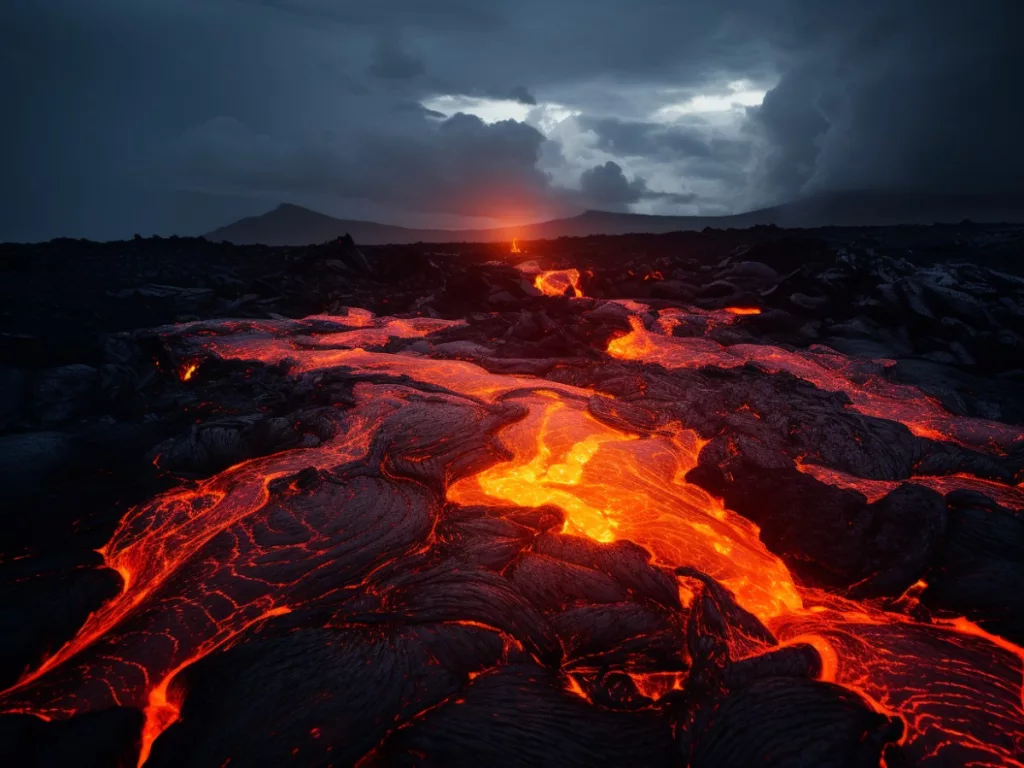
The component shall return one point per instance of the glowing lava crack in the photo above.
(432, 517)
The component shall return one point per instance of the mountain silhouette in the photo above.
(294, 225)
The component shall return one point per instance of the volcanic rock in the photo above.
(524, 715)
(60, 394)
(27, 460)
(979, 570)
(92, 740)
(790, 722)
(260, 540)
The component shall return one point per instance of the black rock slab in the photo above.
(789, 722)
(524, 715)
(318, 697)
(110, 738)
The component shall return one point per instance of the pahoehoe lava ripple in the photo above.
(674, 552)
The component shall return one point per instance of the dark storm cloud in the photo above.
(460, 165)
(637, 138)
(792, 124)
(606, 187)
(519, 93)
(695, 150)
(175, 115)
(391, 62)
(917, 95)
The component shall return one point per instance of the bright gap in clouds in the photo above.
(717, 111)
(488, 110)
(740, 95)
(543, 116)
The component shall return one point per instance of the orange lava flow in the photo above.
(515, 246)
(869, 393)
(743, 310)
(614, 486)
(191, 558)
(1009, 496)
(162, 709)
(558, 282)
(619, 486)
(188, 370)
(183, 558)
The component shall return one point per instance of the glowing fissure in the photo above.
(1009, 496)
(612, 485)
(162, 710)
(869, 393)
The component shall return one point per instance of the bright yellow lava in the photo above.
(613, 485)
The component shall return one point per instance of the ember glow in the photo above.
(559, 282)
(204, 565)
(188, 370)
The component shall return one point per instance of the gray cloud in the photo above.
(606, 187)
(635, 138)
(518, 93)
(391, 62)
(173, 115)
(699, 150)
(460, 166)
(915, 96)
(791, 124)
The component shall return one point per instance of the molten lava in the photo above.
(515, 246)
(202, 565)
(619, 486)
(559, 282)
(869, 392)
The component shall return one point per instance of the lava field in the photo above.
(745, 498)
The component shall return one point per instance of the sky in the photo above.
(178, 116)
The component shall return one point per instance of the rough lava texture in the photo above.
(721, 499)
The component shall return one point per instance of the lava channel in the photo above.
(206, 564)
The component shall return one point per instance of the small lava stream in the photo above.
(860, 380)
(195, 561)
